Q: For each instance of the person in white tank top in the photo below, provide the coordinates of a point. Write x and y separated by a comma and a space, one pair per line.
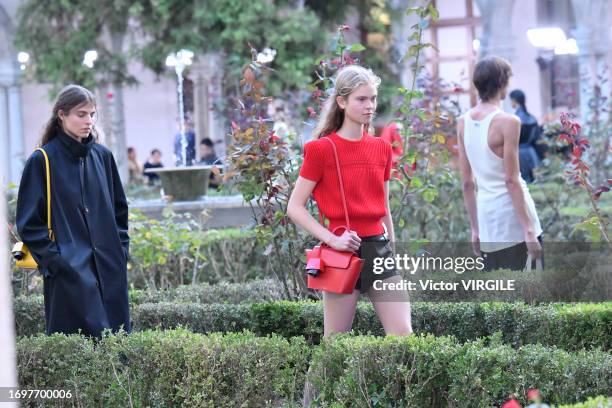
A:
505, 225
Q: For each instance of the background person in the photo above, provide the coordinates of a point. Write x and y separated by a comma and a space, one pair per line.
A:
178, 144
208, 157
154, 162
531, 152
135, 168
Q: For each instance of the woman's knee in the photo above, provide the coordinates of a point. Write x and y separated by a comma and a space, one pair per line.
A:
328, 331
400, 329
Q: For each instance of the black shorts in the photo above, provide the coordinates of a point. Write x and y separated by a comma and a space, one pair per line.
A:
513, 258
372, 247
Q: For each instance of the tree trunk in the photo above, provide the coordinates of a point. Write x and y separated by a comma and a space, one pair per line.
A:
117, 113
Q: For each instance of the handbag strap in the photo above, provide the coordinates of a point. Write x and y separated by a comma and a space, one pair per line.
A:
48, 180
346, 216
528, 264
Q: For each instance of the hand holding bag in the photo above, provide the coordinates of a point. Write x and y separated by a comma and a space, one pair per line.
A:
528, 264
20, 251
338, 271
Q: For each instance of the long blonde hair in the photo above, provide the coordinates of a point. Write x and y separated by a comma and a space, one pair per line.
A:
346, 81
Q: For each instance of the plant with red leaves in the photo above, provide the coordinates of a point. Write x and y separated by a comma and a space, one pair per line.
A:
342, 55
263, 170
578, 174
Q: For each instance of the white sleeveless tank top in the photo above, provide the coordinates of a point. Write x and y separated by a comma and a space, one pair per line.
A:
498, 224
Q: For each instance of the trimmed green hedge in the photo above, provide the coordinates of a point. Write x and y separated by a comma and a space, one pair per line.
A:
180, 368
567, 326
164, 369
435, 372
29, 310
570, 327
222, 292
598, 402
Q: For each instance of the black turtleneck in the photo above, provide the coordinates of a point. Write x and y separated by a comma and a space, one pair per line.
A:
73, 146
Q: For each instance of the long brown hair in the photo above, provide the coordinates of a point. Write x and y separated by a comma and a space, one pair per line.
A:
70, 97
347, 80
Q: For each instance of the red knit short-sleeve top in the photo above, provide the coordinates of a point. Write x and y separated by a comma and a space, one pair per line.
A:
365, 165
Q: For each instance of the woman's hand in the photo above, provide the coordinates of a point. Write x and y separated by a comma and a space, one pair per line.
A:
476, 243
534, 248
348, 241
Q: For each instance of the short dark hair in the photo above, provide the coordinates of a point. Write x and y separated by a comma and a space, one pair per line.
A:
130, 149
491, 74
155, 151
207, 142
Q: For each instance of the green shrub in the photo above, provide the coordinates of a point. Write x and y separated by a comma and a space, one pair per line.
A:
598, 402
163, 369
388, 371
570, 327
222, 292
199, 318
233, 255
567, 326
180, 368
425, 371
29, 311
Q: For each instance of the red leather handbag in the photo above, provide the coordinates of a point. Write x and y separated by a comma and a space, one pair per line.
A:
338, 271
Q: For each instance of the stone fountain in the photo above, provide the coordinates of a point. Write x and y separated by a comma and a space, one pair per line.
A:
186, 183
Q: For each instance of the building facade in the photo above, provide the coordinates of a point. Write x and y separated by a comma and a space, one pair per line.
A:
466, 31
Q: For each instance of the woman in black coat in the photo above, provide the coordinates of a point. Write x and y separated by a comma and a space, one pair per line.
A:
85, 266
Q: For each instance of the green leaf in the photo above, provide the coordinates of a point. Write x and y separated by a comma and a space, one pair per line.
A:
430, 194
591, 226
356, 48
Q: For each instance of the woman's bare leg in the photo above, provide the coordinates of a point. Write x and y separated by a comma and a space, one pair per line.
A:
392, 308
338, 312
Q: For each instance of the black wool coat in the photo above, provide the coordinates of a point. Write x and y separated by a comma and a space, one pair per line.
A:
85, 268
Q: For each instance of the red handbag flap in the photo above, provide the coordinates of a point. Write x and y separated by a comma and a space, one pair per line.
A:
335, 259
313, 263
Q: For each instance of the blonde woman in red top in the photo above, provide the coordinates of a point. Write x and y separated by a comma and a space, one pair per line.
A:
365, 163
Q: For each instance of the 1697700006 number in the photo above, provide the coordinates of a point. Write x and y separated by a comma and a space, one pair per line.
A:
12, 394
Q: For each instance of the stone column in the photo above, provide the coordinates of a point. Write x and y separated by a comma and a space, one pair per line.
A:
8, 367
8, 376
200, 103
400, 31
207, 73
17, 155
5, 157
497, 38
11, 133
592, 36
